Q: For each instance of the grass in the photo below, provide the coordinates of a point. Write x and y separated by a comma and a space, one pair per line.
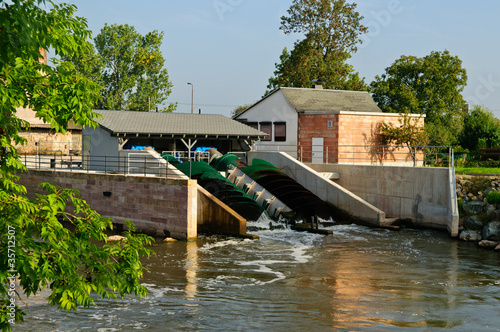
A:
478, 170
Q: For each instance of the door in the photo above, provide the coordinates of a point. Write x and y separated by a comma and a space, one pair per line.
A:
317, 150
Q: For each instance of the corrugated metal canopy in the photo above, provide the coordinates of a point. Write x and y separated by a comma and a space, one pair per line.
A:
174, 124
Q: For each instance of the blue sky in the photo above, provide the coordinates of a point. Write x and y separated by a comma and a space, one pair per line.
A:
228, 48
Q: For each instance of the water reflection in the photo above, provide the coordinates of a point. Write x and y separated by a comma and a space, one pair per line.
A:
357, 279
191, 267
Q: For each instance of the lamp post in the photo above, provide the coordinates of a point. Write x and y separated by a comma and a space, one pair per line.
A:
192, 96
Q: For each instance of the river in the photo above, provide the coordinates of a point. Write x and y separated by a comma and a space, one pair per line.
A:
357, 279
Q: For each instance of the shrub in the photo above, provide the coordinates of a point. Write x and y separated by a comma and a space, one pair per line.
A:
477, 184
493, 197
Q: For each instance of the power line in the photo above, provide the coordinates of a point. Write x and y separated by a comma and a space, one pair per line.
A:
208, 105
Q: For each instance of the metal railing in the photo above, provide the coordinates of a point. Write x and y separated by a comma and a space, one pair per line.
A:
184, 156
48, 148
366, 154
132, 164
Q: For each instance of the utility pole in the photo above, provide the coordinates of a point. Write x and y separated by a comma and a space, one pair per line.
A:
192, 96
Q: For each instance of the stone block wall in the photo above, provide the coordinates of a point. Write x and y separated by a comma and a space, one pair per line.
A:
46, 141
161, 206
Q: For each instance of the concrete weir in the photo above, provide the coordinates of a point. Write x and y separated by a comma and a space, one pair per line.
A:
179, 208
378, 195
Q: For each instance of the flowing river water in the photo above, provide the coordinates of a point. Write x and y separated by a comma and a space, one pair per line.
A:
358, 279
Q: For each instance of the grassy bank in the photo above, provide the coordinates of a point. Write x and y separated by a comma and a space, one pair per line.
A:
478, 170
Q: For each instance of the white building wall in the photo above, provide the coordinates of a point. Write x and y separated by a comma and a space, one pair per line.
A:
275, 108
98, 144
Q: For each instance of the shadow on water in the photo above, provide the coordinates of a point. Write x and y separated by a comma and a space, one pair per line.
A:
355, 279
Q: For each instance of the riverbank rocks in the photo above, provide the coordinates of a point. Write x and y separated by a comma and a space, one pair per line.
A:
488, 244
474, 206
473, 223
480, 219
470, 235
115, 238
492, 231
169, 239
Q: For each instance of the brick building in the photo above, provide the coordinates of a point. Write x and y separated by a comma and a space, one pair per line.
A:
318, 125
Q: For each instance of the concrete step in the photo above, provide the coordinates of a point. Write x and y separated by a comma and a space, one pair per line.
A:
388, 224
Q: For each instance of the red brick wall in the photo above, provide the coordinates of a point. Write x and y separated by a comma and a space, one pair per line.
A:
155, 205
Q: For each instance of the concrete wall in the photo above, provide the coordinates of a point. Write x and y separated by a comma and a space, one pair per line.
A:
423, 194
160, 205
216, 217
100, 143
349, 203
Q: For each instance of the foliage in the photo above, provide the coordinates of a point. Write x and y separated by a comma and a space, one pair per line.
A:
130, 67
477, 184
481, 130
409, 133
431, 85
332, 29
493, 197
34, 247
239, 109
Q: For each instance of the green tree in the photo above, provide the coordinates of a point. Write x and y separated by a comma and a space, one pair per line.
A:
409, 133
480, 124
431, 85
36, 251
239, 109
332, 29
130, 67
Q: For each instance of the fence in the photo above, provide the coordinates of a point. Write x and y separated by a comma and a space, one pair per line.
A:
132, 164
48, 148
366, 154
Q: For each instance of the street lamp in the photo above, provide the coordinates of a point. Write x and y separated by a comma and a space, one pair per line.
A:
192, 96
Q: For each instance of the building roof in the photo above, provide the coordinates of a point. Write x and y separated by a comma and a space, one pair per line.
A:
305, 100
123, 123
314, 100
29, 115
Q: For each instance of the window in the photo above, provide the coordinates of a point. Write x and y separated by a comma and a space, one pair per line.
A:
254, 125
267, 128
280, 131
330, 123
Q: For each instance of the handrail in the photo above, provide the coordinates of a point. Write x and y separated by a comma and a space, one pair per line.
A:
133, 163
364, 154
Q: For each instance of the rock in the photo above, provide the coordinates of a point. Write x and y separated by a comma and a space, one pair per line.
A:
487, 190
497, 248
488, 244
473, 207
115, 238
490, 209
473, 223
492, 231
495, 215
470, 235
169, 239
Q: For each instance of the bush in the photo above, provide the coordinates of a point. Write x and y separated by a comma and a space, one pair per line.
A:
493, 197
477, 184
